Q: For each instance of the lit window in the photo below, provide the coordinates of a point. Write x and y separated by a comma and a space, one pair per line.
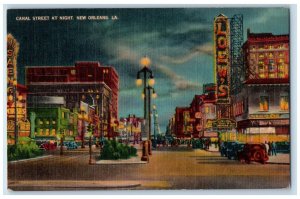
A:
271, 69
271, 55
206, 110
284, 103
264, 103
261, 70
73, 72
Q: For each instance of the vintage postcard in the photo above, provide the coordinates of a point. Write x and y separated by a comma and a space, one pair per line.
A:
148, 98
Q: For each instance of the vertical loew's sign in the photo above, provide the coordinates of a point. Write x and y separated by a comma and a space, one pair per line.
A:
222, 58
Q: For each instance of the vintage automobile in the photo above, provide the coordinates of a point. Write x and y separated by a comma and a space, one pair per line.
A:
234, 149
48, 145
70, 145
253, 152
283, 147
225, 146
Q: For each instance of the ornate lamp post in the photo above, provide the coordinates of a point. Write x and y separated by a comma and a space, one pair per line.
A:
155, 115
81, 116
146, 73
151, 93
90, 132
61, 138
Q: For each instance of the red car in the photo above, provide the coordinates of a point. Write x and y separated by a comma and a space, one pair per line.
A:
48, 146
253, 152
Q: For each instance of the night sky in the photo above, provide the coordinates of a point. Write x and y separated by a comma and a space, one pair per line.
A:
178, 42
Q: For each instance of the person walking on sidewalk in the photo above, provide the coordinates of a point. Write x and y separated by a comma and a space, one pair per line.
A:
274, 150
267, 147
270, 148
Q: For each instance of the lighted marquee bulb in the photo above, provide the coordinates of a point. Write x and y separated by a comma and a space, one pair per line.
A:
10, 98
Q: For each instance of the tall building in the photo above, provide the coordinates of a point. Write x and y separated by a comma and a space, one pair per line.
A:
203, 112
82, 82
266, 56
183, 126
261, 109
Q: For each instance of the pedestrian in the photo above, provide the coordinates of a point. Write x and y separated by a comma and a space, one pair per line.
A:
274, 150
267, 147
270, 148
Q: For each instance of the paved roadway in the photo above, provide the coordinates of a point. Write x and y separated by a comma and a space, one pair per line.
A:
180, 168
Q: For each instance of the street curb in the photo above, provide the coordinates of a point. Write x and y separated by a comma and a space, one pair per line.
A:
281, 163
74, 187
30, 159
117, 163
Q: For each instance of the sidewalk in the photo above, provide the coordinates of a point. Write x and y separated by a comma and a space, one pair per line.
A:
213, 149
280, 158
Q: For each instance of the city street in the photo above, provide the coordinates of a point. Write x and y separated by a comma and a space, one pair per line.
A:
179, 168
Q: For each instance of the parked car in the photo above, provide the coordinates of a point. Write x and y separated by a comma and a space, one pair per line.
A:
234, 149
253, 152
70, 145
197, 144
225, 146
283, 147
48, 146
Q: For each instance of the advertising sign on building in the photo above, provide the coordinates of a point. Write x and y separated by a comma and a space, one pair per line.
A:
222, 58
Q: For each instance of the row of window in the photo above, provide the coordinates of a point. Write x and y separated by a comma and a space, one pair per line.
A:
264, 103
271, 70
262, 47
51, 132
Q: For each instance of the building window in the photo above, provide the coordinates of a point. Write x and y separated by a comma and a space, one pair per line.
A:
284, 103
264, 103
63, 115
271, 55
272, 69
261, 69
281, 70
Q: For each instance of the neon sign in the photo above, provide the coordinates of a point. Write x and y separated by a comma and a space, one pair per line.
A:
222, 58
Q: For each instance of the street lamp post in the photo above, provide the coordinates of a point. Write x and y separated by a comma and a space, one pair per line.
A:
82, 117
155, 115
151, 93
90, 132
147, 75
61, 141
